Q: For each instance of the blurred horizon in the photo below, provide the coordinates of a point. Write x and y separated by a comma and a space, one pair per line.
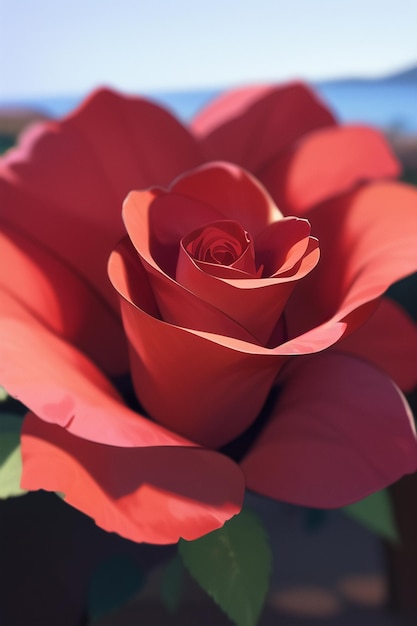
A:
50, 49
162, 93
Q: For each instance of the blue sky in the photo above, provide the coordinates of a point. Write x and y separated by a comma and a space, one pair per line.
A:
66, 47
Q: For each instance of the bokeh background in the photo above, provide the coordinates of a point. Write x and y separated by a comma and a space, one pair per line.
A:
361, 55
67, 47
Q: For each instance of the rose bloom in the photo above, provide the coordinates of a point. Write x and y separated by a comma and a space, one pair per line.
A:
227, 329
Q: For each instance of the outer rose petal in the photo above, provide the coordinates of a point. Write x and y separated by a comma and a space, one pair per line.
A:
389, 341
135, 467
156, 494
65, 183
339, 431
326, 163
250, 126
60, 300
368, 241
63, 387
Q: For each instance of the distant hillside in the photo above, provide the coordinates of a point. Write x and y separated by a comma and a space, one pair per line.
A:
408, 76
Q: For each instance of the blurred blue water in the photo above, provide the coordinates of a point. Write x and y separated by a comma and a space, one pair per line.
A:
390, 106
387, 105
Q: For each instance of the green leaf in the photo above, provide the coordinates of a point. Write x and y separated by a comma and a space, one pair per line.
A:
233, 564
375, 513
10, 456
113, 583
172, 584
3, 394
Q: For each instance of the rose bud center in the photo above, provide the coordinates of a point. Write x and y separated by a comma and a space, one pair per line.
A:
223, 243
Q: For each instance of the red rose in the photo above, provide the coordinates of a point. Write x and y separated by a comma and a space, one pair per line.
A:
226, 309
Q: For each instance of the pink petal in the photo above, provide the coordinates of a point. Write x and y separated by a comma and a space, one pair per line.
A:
389, 341
155, 494
61, 300
339, 431
250, 126
326, 163
368, 241
64, 185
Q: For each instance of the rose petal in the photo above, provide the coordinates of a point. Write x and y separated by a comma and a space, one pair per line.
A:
61, 300
368, 241
156, 494
255, 303
194, 383
60, 385
340, 430
228, 189
177, 304
130, 280
282, 244
157, 221
326, 163
230, 272
234, 193
64, 185
389, 341
250, 126
64, 388
225, 244
213, 192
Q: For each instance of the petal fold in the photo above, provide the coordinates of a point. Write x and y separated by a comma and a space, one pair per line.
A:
339, 431
252, 125
61, 300
389, 341
155, 495
325, 164
65, 182
368, 241
60, 385
194, 383
233, 192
